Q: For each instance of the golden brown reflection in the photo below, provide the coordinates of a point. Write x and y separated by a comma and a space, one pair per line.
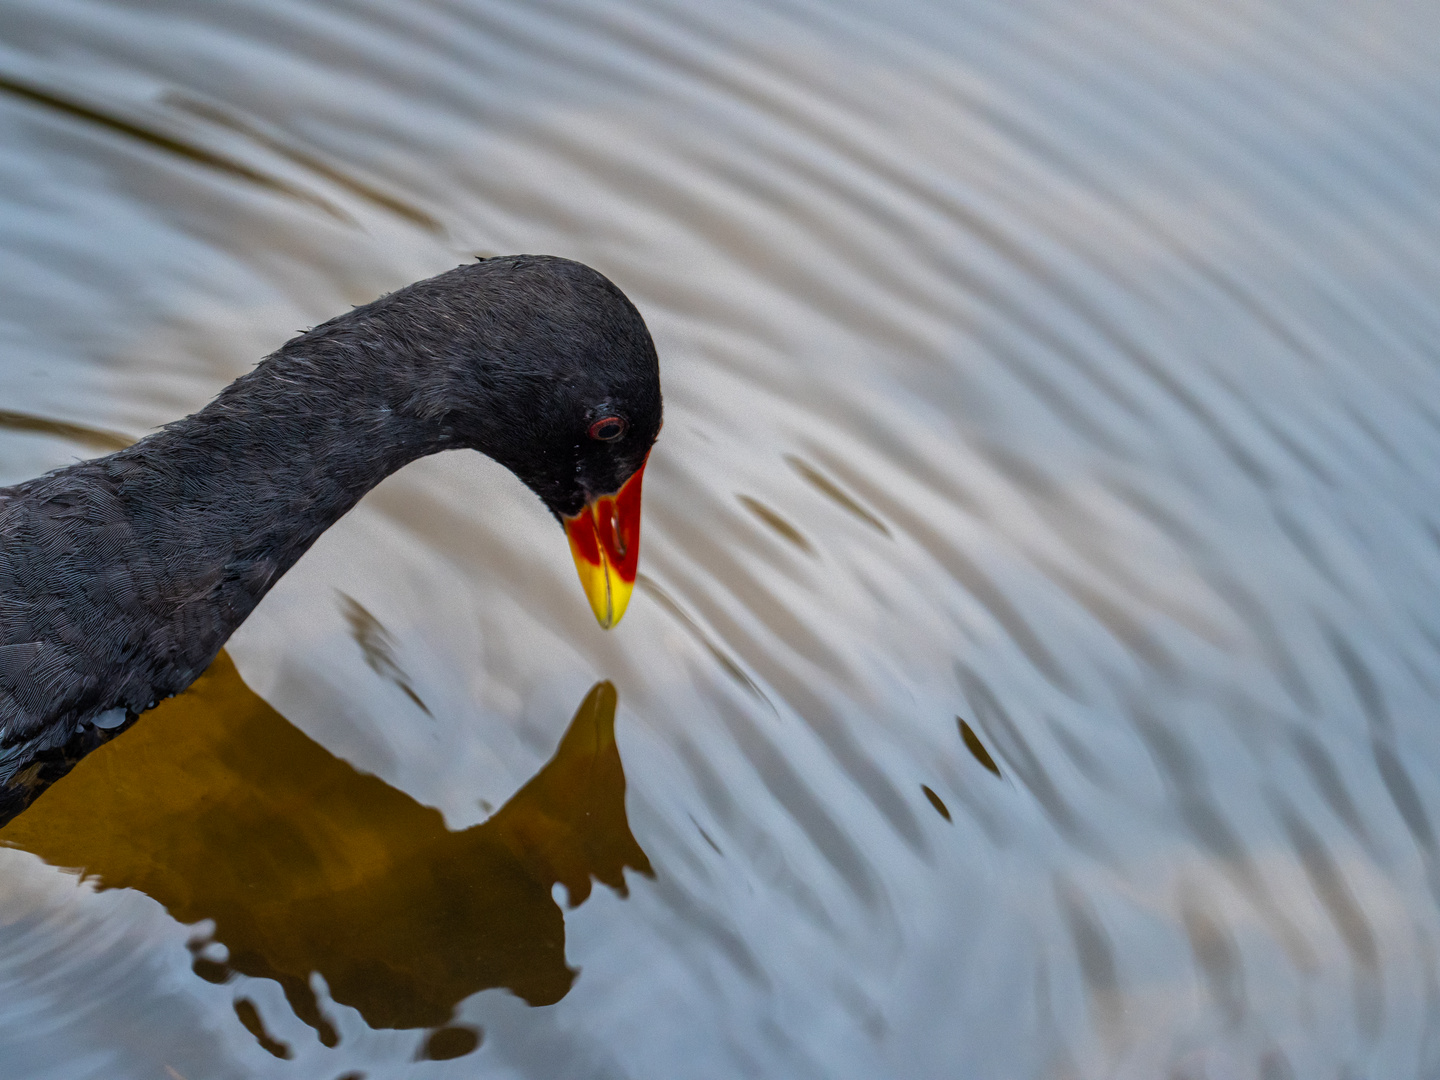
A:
219, 808
976, 747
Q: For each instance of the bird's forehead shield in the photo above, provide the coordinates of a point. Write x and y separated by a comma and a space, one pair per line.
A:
605, 541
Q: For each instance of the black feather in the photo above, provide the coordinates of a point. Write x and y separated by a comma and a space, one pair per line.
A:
122, 577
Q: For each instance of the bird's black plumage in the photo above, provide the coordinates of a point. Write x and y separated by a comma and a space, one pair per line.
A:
122, 577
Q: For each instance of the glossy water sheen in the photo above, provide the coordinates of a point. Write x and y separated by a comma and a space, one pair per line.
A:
1033, 664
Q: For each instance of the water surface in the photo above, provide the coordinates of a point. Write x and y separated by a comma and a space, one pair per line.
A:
1033, 669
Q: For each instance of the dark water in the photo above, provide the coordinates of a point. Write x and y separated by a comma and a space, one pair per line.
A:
1035, 664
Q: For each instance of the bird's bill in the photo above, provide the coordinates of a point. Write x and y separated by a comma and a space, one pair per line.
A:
605, 540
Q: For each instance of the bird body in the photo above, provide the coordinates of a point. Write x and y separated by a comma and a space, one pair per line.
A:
122, 577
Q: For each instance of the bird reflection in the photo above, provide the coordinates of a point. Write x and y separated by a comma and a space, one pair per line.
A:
220, 809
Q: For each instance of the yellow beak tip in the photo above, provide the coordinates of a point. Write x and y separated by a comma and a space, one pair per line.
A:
609, 600
607, 591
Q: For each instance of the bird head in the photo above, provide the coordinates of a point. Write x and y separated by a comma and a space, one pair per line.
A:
550, 370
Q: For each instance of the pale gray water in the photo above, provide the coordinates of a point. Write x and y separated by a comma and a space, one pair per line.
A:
1065, 367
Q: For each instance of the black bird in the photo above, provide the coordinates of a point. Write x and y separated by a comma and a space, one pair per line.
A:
122, 577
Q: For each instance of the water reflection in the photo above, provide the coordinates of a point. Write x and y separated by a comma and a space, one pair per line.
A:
1066, 368
88, 437
150, 132
220, 809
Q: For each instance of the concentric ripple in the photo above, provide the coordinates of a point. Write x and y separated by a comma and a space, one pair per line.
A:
1033, 664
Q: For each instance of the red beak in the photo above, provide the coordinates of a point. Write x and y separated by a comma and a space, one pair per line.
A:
605, 540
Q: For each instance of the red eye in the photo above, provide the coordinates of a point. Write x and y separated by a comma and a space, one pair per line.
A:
607, 428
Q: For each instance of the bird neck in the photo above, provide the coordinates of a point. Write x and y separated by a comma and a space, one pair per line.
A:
233, 495
144, 562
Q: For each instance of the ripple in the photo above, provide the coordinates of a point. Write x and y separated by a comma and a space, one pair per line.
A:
1051, 398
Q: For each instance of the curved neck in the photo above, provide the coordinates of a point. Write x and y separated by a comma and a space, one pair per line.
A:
139, 566
227, 499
